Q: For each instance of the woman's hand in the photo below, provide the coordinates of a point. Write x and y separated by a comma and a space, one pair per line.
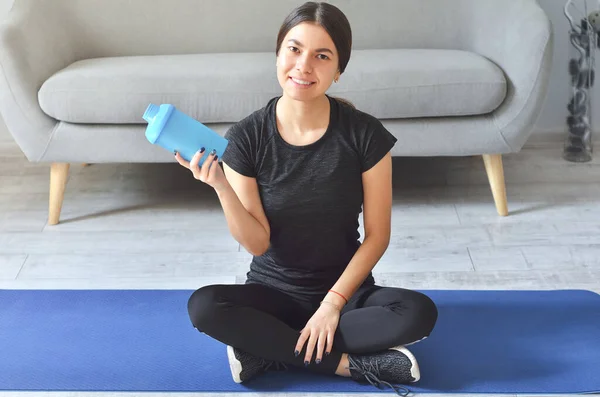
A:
210, 173
319, 332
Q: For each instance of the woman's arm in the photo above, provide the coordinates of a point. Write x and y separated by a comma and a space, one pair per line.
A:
377, 212
244, 212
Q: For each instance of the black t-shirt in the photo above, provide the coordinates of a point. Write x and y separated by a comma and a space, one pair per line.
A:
312, 195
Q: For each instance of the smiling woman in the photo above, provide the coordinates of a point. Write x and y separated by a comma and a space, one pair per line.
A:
313, 48
336, 52
297, 174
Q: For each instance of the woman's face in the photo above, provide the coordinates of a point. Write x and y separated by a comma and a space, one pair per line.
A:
307, 62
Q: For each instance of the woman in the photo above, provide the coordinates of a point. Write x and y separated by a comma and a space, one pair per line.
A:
294, 178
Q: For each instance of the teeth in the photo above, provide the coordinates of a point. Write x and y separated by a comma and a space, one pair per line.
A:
301, 81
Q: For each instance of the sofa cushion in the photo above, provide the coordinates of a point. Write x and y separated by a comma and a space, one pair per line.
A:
392, 83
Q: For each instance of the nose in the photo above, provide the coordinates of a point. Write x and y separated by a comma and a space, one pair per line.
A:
303, 64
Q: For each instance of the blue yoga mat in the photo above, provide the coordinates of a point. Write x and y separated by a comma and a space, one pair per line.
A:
142, 340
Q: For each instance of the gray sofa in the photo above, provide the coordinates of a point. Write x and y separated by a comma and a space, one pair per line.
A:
446, 77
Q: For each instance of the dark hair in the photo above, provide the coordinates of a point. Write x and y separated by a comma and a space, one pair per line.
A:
331, 18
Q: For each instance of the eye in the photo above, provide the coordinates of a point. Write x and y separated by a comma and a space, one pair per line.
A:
323, 56
293, 49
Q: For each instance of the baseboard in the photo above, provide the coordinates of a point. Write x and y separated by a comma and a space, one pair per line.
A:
553, 137
547, 135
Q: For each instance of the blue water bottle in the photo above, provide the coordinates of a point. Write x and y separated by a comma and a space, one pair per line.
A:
176, 131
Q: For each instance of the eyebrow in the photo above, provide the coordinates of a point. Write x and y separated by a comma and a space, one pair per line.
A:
317, 50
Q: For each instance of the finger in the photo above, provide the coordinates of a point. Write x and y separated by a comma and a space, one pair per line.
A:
330, 336
321, 346
310, 346
181, 160
215, 167
195, 160
207, 163
301, 341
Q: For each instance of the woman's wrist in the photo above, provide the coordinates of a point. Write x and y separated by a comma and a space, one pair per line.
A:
225, 189
331, 304
335, 299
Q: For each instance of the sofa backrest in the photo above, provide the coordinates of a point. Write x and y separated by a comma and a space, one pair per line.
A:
149, 27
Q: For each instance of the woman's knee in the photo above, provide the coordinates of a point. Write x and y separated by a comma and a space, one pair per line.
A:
202, 306
418, 314
427, 313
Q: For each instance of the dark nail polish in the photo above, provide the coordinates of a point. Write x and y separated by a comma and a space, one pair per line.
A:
296, 353
318, 361
202, 150
214, 151
175, 152
306, 363
216, 158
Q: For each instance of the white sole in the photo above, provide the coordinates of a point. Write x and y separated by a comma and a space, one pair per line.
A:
235, 365
414, 370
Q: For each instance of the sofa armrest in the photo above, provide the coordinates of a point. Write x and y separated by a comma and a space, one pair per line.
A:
34, 44
517, 35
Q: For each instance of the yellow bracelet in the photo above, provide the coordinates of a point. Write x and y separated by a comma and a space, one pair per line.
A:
332, 304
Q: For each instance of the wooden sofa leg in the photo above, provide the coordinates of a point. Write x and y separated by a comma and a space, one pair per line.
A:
495, 174
59, 173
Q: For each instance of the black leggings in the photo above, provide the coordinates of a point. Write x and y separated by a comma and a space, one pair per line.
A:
266, 322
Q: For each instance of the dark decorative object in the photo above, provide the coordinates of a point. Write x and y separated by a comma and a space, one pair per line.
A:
584, 39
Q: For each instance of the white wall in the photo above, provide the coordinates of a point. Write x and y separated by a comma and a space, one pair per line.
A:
552, 119
4, 7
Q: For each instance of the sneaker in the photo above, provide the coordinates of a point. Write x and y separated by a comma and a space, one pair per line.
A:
394, 366
244, 366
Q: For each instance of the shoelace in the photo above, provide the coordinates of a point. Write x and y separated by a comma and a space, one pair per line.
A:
371, 373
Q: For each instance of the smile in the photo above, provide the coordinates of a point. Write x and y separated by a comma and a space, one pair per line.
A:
301, 82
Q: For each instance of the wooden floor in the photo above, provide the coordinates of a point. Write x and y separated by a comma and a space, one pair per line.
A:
154, 226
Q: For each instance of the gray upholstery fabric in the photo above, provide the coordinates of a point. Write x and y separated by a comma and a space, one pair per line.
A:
95, 143
40, 38
216, 88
